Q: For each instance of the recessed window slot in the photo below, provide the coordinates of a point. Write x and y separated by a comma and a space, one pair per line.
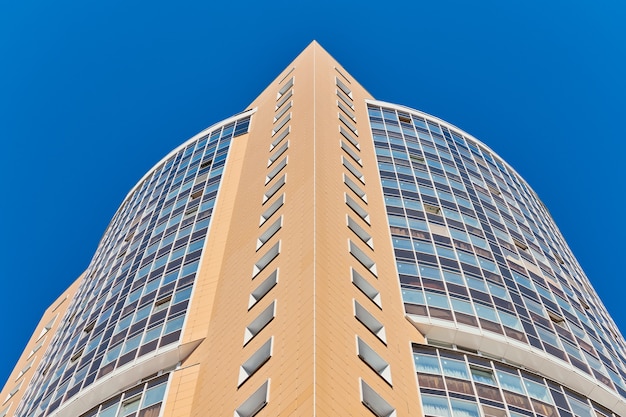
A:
375, 403
255, 362
260, 322
266, 259
264, 288
255, 402
363, 258
366, 288
360, 232
271, 231
273, 208
353, 170
373, 360
352, 154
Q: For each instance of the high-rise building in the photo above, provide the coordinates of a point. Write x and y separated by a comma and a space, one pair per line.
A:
326, 254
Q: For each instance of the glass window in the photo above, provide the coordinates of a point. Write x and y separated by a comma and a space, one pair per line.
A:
476, 284
547, 336
510, 320
174, 324
423, 247
462, 306
538, 391
452, 276
428, 272
131, 344
455, 369
400, 243
437, 300
109, 412
152, 334
406, 268
435, 406
129, 407
413, 296
464, 408
511, 382
426, 364
482, 375
154, 395
486, 313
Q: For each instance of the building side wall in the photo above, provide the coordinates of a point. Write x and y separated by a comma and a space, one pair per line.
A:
289, 369
338, 365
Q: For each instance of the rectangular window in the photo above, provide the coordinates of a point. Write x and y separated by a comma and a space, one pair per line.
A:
284, 99
347, 111
348, 123
482, 375
347, 101
285, 88
355, 188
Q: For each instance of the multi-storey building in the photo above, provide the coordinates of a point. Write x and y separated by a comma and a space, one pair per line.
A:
323, 253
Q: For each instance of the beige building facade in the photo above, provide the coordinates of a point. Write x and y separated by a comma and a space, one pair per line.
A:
319, 254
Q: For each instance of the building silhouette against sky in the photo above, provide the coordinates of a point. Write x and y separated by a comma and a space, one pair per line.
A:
326, 254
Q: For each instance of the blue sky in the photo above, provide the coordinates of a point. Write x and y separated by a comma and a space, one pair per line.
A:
93, 94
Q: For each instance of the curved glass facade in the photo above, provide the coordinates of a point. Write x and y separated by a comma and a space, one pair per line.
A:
477, 252
134, 298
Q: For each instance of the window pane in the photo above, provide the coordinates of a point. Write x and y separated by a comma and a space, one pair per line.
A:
482, 375
154, 395
510, 382
427, 364
435, 406
464, 408
538, 391
455, 369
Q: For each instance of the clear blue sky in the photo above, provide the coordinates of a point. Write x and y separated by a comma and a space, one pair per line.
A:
93, 94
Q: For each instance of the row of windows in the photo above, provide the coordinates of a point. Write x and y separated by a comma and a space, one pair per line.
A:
452, 383
143, 400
